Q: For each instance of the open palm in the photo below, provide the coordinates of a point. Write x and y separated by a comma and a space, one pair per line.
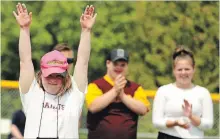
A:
88, 18
23, 18
187, 108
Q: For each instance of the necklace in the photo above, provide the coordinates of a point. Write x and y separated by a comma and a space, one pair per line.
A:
42, 115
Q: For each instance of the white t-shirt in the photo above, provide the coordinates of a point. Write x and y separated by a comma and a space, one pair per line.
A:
69, 111
168, 106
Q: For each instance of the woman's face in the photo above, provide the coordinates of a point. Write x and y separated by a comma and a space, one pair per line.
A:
52, 83
183, 71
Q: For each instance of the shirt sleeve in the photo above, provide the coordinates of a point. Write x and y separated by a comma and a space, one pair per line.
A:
15, 118
26, 98
142, 96
92, 93
207, 111
159, 121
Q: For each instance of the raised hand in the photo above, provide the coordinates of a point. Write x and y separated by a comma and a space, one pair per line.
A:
23, 18
187, 108
88, 17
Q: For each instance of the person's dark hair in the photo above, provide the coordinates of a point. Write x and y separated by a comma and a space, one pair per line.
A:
62, 47
181, 53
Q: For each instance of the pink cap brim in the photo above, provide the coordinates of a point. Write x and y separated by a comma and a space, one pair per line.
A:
47, 71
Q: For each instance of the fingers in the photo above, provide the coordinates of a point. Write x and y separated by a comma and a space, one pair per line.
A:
119, 78
24, 8
30, 14
89, 10
186, 126
81, 18
15, 14
18, 11
86, 10
122, 84
20, 8
186, 103
95, 16
120, 81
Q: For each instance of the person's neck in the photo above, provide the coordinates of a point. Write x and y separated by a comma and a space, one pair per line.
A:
53, 94
184, 86
109, 75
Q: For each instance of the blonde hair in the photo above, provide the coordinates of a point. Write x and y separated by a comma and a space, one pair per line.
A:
67, 83
182, 53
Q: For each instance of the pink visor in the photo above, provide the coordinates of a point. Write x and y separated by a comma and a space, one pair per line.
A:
53, 62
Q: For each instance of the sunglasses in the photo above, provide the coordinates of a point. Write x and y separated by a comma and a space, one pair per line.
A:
70, 60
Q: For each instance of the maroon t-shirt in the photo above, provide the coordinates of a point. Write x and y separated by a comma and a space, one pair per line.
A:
116, 121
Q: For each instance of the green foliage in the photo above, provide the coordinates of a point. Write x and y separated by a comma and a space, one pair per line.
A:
148, 30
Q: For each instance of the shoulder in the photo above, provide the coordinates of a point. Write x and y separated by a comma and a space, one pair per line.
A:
201, 90
165, 90
98, 81
133, 86
166, 87
198, 87
133, 83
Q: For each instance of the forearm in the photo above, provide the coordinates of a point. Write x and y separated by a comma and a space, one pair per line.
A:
81, 68
84, 46
134, 105
26, 65
195, 120
25, 45
15, 132
103, 101
171, 123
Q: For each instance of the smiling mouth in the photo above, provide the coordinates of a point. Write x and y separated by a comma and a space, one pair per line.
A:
118, 72
52, 84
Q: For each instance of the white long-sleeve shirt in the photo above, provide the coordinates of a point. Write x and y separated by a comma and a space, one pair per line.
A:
168, 106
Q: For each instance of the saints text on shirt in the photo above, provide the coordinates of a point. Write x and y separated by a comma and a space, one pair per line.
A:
51, 106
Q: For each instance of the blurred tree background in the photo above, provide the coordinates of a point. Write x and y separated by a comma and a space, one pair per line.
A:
149, 31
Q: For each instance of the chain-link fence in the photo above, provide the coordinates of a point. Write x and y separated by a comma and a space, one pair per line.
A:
10, 102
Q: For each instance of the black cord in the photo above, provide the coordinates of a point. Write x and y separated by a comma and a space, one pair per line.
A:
41, 118
57, 117
41, 115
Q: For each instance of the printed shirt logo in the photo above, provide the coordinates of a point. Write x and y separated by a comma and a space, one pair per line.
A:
51, 106
55, 62
120, 52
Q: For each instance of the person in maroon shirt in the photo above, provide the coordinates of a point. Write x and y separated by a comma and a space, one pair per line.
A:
114, 102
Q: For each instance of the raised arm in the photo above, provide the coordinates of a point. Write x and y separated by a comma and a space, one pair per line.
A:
26, 66
81, 69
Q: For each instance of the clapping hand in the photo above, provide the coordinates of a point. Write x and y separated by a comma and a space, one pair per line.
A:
187, 109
